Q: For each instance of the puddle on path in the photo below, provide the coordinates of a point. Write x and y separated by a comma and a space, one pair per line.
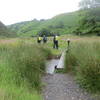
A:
50, 65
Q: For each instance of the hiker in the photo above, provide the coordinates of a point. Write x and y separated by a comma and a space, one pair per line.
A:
44, 39
55, 41
68, 41
39, 39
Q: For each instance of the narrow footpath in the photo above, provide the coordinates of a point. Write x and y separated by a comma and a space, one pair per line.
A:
62, 86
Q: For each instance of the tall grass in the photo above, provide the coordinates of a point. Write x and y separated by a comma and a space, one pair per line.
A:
14, 93
83, 60
21, 68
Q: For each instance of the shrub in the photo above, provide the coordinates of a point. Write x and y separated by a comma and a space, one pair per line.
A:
88, 74
84, 60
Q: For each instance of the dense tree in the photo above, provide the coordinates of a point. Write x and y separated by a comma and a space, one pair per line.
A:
45, 32
90, 18
89, 21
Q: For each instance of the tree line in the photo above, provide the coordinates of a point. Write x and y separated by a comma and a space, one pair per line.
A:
89, 22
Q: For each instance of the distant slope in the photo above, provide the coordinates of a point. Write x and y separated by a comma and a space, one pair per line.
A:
90, 22
4, 31
63, 23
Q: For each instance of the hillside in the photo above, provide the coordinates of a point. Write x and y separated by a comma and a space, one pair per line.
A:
82, 22
4, 31
89, 22
63, 24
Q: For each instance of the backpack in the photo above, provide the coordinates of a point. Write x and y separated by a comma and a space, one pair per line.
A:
56, 38
44, 38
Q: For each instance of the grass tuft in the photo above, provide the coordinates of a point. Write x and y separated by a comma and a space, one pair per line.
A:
84, 60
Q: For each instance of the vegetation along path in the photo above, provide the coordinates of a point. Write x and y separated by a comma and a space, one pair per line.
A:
62, 87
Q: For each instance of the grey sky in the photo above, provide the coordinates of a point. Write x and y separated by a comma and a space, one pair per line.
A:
12, 11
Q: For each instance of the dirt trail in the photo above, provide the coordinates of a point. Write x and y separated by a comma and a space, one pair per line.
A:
62, 87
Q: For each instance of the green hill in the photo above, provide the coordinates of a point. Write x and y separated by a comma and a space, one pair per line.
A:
89, 22
62, 24
81, 22
4, 31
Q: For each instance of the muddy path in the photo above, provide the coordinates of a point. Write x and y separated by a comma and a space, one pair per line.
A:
62, 86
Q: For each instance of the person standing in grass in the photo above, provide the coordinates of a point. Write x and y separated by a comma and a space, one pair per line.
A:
68, 41
39, 39
44, 39
55, 41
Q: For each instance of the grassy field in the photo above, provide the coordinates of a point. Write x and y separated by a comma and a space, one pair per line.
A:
22, 64
83, 60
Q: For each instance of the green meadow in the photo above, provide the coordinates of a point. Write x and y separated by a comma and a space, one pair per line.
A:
83, 60
22, 64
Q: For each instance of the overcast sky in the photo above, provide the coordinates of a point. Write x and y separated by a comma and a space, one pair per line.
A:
12, 11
